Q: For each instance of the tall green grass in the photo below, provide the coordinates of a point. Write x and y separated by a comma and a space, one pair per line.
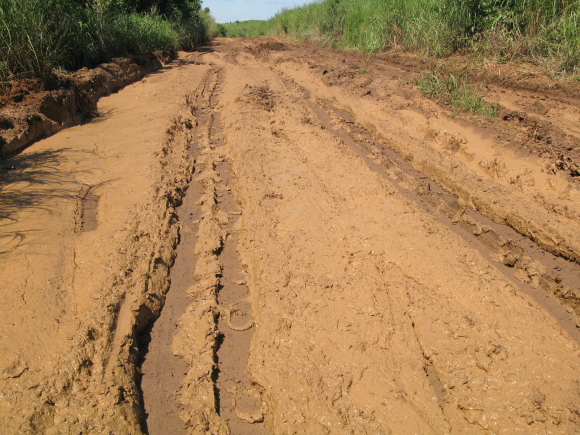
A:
374, 25
502, 28
39, 37
246, 29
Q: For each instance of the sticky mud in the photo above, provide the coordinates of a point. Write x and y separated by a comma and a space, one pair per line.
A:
295, 219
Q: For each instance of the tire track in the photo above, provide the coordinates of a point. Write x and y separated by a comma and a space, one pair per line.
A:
214, 333
161, 372
551, 280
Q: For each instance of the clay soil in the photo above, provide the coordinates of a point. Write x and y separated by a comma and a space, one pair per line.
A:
270, 237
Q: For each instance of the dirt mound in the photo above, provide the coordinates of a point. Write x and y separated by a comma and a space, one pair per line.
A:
271, 45
30, 112
531, 135
260, 96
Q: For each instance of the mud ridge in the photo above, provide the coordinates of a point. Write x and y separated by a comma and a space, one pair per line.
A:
216, 395
536, 271
533, 268
239, 398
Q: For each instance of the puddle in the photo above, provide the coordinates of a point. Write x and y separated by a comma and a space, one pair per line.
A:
90, 206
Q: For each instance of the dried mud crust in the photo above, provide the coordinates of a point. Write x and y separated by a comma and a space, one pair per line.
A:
31, 112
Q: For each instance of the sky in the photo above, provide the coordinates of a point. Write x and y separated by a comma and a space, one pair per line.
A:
226, 11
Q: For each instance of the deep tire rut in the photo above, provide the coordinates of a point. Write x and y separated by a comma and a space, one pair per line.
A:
217, 394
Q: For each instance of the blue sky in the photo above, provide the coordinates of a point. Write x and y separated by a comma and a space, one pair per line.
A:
225, 11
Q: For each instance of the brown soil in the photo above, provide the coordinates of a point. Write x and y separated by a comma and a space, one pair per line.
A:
269, 237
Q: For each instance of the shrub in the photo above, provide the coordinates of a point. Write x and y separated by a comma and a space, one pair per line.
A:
37, 37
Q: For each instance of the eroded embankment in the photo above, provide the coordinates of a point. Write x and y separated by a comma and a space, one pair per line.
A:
30, 114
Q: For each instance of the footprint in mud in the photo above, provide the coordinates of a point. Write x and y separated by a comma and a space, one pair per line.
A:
239, 316
247, 404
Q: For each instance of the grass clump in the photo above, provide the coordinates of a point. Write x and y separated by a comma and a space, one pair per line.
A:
449, 89
39, 37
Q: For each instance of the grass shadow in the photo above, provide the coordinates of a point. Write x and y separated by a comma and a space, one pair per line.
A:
28, 180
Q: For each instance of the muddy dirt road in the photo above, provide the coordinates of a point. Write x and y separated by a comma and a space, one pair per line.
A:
268, 237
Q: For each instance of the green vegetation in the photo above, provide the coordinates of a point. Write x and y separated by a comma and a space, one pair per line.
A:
506, 29
456, 92
38, 38
249, 28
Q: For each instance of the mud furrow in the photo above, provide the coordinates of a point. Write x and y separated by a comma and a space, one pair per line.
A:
196, 335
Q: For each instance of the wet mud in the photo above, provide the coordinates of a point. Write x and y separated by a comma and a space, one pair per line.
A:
303, 244
238, 402
161, 372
